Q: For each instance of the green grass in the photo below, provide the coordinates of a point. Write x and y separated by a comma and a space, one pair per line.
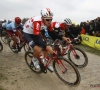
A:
89, 49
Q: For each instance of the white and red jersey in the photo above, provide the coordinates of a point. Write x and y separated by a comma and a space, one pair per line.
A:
34, 25
57, 25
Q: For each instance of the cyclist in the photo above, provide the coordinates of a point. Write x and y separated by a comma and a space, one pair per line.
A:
57, 29
4, 24
12, 30
32, 34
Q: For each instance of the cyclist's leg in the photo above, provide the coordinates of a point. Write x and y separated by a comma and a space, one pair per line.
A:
31, 40
18, 33
39, 41
15, 41
42, 44
12, 34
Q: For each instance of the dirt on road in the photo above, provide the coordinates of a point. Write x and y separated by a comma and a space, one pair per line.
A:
15, 74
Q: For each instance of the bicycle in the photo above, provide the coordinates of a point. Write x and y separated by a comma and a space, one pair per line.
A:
1, 46
76, 55
63, 68
19, 45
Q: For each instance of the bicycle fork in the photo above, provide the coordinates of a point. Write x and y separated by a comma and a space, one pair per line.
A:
74, 52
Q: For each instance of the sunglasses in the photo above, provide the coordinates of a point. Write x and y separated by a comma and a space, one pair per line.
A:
48, 20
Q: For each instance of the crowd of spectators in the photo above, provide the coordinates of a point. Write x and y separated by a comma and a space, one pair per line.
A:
91, 27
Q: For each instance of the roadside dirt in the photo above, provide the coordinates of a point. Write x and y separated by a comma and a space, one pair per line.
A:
15, 74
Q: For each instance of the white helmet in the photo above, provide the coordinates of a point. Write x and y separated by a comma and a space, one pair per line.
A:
46, 13
68, 21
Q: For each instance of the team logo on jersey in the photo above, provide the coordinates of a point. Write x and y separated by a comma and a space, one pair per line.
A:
57, 25
37, 26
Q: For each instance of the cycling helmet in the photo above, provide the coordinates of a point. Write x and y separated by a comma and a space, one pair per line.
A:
46, 13
4, 20
17, 20
68, 21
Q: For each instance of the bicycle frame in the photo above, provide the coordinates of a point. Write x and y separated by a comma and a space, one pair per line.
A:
70, 47
59, 62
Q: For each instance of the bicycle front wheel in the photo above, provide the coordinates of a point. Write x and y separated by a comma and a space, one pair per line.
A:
66, 71
1, 47
78, 57
4, 36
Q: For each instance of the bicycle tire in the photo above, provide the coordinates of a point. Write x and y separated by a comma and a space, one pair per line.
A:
1, 47
74, 61
26, 49
77, 74
3, 36
28, 63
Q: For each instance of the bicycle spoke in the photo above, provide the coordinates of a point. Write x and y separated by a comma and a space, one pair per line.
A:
67, 72
78, 57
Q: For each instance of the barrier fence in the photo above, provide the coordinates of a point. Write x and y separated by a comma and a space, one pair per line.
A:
91, 41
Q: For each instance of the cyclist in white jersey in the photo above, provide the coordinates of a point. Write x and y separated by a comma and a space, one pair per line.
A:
32, 34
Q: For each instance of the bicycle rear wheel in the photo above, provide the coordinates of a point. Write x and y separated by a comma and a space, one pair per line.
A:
66, 71
1, 47
78, 57
28, 59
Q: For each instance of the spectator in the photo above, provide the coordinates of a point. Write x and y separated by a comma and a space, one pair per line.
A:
92, 26
87, 27
83, 31
77, 30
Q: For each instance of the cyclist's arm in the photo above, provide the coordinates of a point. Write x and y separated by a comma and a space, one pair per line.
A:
54, 35
70, 35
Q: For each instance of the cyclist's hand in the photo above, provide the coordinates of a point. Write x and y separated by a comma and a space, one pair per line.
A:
66, 39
